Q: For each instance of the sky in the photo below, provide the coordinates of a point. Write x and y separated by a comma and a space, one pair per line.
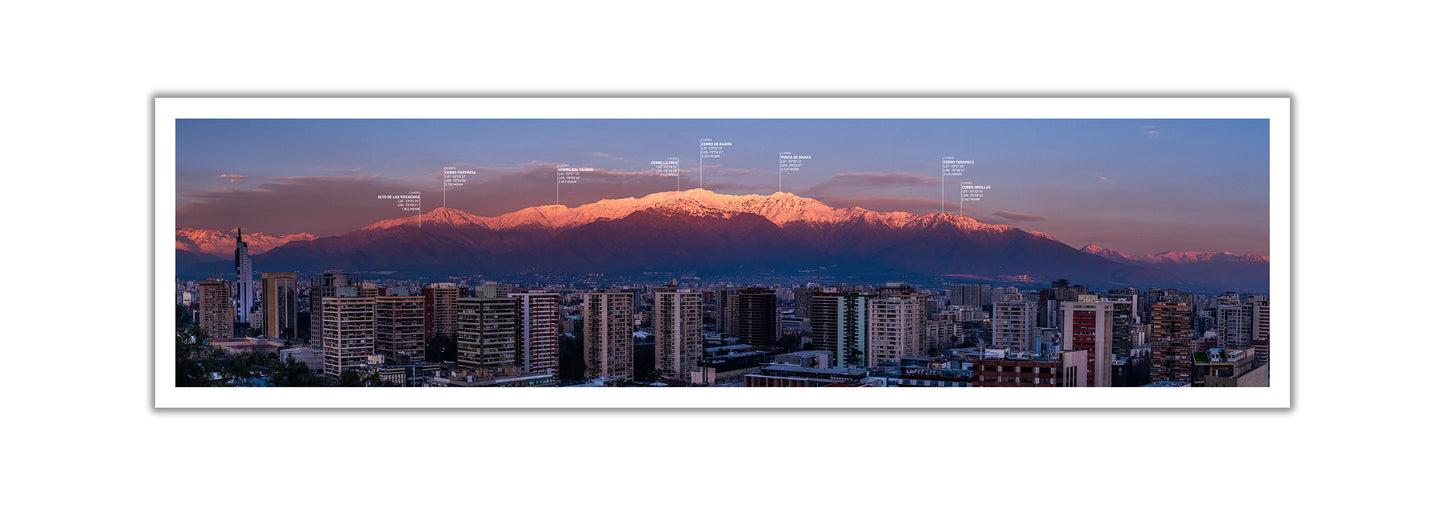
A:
1139, 186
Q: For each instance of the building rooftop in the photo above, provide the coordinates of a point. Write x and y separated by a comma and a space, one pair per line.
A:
922, 372
792, 369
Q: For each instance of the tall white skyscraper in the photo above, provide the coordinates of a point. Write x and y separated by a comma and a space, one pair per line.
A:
245, 293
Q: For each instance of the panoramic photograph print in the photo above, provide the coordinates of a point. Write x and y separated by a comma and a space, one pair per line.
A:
719, 252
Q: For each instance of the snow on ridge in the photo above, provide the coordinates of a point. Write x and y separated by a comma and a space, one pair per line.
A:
780, 208
1178, 257
223, 242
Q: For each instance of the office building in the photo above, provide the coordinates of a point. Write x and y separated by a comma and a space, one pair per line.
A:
490, 289
727, 314
1234, 323
278, 305
1088, 327
245, 291
757, 317
728, 367
974, 295
1124, 321
1003, 368
794, 376
803, 302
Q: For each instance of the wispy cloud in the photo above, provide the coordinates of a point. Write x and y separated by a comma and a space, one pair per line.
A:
608, 156
1150, 131
233, 177
890, 204
341, 171
1013, 216
848, 182
330, 205
736, 172
1105, 179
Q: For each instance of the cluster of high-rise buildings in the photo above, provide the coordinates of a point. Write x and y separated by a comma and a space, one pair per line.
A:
494, 334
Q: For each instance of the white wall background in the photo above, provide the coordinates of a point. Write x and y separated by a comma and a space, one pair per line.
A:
76, 106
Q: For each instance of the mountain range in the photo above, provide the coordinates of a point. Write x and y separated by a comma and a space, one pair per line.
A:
1249, 272
218, 243
699, 232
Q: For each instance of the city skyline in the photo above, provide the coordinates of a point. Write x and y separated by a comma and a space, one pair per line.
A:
702, 252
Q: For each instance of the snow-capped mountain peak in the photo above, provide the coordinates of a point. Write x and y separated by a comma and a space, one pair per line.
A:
1173, 257
780, 208
208, 241
445, 216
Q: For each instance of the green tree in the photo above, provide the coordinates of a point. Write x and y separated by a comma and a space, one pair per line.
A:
353, 378
291, 373
195, 361
241, 367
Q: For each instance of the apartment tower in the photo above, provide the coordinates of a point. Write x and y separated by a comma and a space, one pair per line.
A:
1015, 325
1170, 341
897, 323
399, 323
348, 333
537, 349
677, 318
217, 315
488, 329
607, 334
